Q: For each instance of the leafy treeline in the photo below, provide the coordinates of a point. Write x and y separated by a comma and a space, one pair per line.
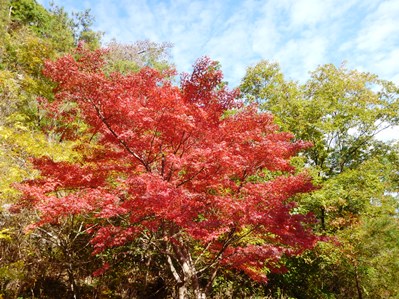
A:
115, 182
341, 112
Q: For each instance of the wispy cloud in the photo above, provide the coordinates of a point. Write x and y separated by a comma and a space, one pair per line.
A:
299, 34
377, 41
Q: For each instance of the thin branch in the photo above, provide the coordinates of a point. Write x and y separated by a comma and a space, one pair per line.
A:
191, 178
56, 239
122, 142
78, 233
163, 162
231, 239
180, 143
202, 253
355, 148
154, 135
228, 241
211, 279
170, 172
172, 267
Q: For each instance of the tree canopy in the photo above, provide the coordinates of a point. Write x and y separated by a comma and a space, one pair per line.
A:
204, 188
341, 112
119, 179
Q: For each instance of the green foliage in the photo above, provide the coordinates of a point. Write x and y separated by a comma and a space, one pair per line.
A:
81, 26
31, 265
54, 24
377, 257
29, 13
265, 85
31, 36
4, 234
340, 111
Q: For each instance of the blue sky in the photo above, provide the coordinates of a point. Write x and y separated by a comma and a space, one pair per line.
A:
298, 34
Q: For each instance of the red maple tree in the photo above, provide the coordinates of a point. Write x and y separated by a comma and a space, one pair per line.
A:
206, 180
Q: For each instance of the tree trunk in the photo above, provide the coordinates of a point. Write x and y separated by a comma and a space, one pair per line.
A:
187, 277
72, 284
323, 218
183, 294
358, 288
200, 295
190, 282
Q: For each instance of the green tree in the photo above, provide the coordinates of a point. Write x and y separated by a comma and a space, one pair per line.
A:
341, 112
30, 35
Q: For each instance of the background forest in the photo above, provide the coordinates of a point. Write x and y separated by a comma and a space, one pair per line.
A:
351, 212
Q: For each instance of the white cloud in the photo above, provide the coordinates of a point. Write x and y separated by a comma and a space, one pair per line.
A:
300, 34
389, 134
387, 64
309, 12
376, 44
265, 37
380, 28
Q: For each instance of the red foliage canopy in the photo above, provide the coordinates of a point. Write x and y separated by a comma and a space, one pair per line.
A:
187, 164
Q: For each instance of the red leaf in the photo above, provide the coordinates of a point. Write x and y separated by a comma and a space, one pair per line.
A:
170, 162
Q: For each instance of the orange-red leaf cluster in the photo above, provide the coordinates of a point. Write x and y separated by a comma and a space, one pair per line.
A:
171, 159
